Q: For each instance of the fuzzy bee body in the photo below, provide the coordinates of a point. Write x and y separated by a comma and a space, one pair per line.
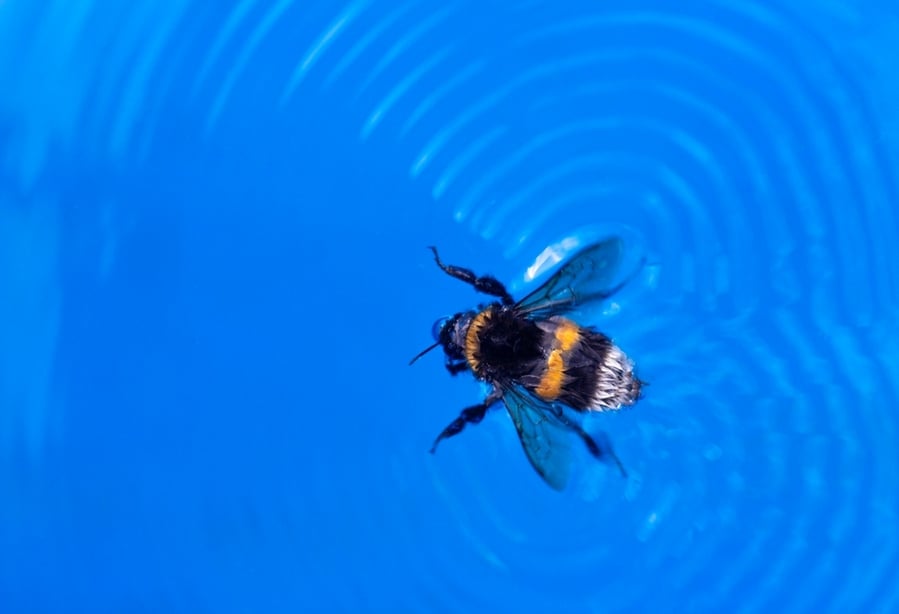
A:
540, 362
555, 359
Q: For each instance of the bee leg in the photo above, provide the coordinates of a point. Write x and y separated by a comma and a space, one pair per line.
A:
486, 283
469, 415
455, 368
601, 450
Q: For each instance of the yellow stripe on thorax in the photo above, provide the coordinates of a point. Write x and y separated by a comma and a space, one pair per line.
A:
473, 338
567, 336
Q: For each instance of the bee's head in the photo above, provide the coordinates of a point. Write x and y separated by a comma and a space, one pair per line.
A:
450, 334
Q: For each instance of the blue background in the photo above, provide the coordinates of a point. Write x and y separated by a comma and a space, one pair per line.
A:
212, 276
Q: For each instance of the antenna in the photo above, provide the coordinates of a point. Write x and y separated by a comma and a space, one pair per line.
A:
423, 352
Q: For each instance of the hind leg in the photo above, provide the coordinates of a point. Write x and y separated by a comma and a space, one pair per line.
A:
601, 450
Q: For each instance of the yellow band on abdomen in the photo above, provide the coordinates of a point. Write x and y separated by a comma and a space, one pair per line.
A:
550, 385
567, 334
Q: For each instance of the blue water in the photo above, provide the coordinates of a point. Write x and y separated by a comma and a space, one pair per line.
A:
213, 221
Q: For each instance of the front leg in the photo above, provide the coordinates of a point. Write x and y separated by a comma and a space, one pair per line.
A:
455, 368
473, 415
485, 283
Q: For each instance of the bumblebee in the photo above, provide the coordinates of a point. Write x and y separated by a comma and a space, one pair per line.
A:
545, 368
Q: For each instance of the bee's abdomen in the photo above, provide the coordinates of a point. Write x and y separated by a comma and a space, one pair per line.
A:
584, 369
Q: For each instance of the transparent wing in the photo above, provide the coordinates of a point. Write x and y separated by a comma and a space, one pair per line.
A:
588, 276
545, 439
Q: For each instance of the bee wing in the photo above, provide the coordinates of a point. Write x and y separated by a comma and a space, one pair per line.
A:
545, 439
588, 276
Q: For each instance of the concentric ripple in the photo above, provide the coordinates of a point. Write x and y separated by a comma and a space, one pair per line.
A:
745, 154
734, 142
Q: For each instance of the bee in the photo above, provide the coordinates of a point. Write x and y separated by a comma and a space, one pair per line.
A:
546, 369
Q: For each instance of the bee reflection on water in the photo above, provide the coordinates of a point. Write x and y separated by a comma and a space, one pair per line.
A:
544, 367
